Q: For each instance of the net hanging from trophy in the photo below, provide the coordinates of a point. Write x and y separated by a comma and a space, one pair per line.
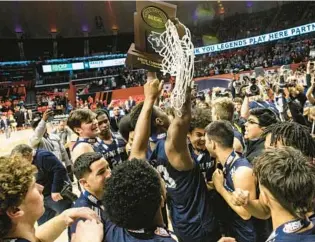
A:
174, 45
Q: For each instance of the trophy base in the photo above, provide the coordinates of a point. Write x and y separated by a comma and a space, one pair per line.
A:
142, 60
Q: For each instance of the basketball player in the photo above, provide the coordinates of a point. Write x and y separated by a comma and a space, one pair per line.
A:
278, 135
287, 185
200, 119
137, 186
191, 212
83, 122
237, 173
223, 109
112, 146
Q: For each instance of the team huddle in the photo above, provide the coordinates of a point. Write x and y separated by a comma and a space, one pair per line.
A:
187, 178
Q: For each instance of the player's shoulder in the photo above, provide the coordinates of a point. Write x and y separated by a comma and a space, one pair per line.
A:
80, 149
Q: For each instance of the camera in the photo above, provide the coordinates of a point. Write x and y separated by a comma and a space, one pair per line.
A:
222, 94
67, 193
253, 87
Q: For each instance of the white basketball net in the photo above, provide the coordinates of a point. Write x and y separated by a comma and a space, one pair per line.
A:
178, 60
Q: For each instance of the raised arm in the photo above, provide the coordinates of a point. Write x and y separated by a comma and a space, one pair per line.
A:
245, 108
40, 130
152, 90
176, 147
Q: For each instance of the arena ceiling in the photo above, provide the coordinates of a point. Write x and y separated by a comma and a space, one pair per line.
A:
70, 19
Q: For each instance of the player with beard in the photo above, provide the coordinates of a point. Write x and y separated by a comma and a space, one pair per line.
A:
114, 150
287, 185
83, 122
237, 173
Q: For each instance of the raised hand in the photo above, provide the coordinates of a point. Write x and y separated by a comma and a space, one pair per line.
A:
153, 87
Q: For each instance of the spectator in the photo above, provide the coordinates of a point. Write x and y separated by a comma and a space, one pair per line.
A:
258, 119
41, 139
114, 121
5, 126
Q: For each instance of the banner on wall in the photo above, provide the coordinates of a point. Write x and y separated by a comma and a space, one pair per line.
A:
282, 34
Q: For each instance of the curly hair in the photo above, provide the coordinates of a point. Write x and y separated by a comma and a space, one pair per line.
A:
200, 118
133, 195
289, 177
16, 176
292, 134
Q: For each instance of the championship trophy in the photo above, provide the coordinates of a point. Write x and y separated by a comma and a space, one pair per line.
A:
149, 23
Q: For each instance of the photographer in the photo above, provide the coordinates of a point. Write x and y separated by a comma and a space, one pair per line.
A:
52, 175
50, 142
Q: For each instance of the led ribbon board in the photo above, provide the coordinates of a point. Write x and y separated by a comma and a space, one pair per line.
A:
83, 65
63, 67
282, 34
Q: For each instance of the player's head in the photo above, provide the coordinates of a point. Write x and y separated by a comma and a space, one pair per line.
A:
219, 136
223, 109
290, 134
134, 195
199, 121
24, 151
91, 170
286, 179
21, 199
159, 119
258, 120
83, 122
103, 121
125, 127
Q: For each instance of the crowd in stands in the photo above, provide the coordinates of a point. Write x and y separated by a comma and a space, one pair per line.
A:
283, 52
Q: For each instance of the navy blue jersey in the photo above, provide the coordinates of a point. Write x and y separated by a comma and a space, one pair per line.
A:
154, 138
280, 235
89, 201
190, 208
205, 161
115, 153
236, 227
114, 233
80, 140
